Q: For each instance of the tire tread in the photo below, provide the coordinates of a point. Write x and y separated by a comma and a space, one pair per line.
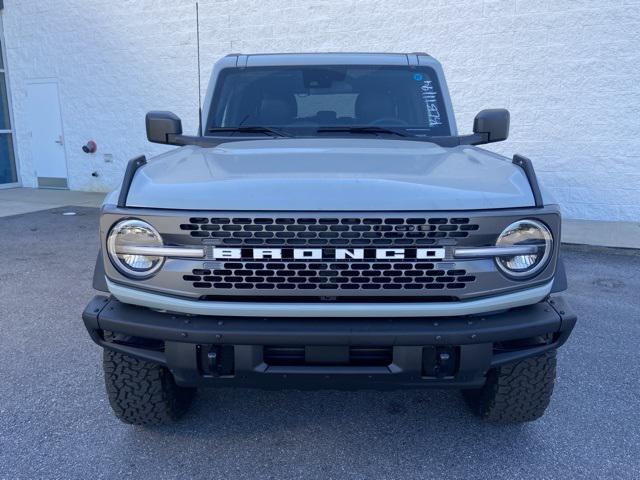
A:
141, 392
516, 393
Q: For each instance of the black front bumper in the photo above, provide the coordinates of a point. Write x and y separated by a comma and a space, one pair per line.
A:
423, 352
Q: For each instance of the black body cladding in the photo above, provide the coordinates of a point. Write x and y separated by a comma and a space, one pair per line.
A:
132, 167
526, 164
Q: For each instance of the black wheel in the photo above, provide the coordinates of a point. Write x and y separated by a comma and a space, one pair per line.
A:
515, 393
141, 392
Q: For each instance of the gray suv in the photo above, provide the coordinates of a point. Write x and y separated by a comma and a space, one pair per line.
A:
329, 228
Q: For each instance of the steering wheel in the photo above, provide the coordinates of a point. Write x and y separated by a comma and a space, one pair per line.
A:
388, 122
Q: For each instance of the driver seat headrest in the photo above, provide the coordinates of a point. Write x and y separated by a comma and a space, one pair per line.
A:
277, 108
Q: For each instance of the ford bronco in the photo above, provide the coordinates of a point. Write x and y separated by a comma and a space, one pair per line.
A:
329, 228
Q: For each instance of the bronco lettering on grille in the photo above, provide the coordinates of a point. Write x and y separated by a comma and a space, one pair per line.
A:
329, 253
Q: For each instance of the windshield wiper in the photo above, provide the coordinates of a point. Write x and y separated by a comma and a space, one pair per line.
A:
365, 129
250, 129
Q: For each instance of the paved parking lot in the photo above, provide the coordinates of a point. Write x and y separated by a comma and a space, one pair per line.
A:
55, 421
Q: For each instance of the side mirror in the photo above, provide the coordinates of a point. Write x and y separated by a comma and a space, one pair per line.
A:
162, 124
492, 124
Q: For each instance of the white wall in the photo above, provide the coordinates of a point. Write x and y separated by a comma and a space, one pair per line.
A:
567, 70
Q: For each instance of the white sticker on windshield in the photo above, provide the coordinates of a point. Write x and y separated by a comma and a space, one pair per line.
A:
430, 99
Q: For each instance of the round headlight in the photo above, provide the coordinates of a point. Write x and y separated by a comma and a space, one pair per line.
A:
525, 232
134, 233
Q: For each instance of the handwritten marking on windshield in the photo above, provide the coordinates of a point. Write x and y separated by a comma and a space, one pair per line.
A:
430, 99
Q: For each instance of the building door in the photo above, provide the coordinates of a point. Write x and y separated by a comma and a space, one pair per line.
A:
47, 141
8, 172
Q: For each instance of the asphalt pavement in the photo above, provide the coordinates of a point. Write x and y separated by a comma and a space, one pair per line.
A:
55, 420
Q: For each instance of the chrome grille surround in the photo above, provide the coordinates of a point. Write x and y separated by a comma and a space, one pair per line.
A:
247, 277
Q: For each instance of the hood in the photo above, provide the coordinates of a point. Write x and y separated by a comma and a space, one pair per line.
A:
330, 174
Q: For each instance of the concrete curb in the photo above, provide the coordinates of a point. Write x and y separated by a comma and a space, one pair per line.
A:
601, 233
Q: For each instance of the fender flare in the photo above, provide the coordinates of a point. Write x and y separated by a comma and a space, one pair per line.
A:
99, 281
560, 277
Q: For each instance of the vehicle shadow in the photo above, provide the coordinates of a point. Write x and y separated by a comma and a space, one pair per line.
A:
338, 434
420, 416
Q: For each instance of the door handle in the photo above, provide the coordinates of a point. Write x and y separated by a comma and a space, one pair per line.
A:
60, 141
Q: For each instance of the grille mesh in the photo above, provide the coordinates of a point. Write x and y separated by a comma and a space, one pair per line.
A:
374, 231
293, 275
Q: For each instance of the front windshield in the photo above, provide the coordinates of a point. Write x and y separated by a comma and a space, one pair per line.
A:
312, 100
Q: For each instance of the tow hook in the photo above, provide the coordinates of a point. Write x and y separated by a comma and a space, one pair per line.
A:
438, 362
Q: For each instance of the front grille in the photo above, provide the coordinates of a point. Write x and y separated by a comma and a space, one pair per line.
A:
296, 231
329, 275
423, 269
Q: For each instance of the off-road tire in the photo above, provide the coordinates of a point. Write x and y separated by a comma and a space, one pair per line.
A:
515, 393
141, 392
